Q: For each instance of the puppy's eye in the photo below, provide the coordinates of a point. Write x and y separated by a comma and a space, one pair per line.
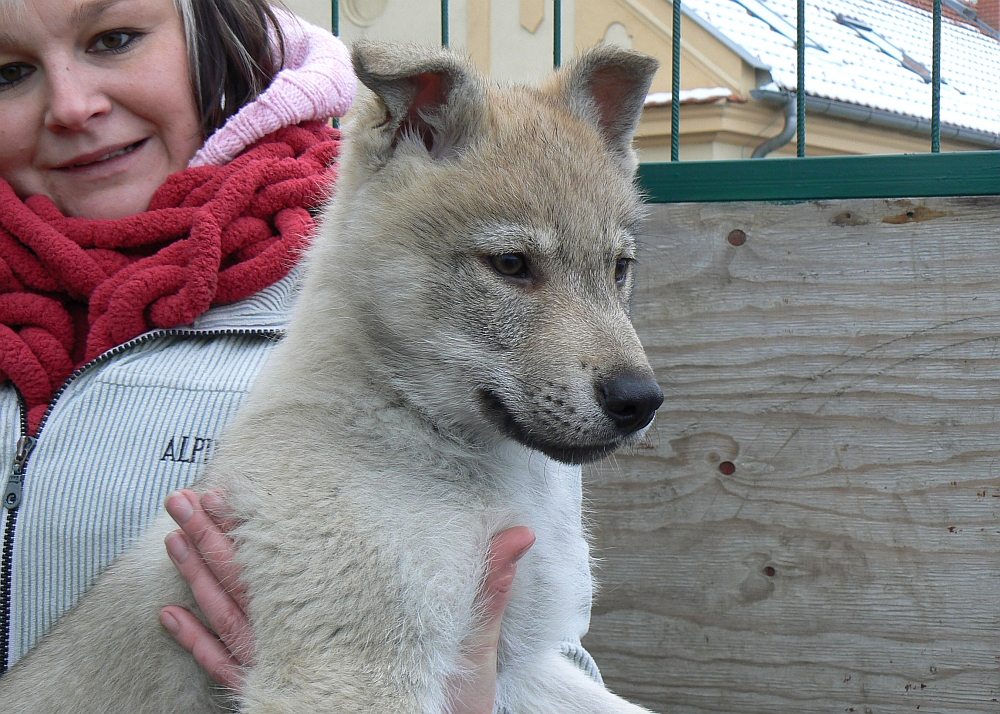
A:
513, 265
621, 270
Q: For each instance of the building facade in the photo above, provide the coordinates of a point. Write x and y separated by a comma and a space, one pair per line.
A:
867, 77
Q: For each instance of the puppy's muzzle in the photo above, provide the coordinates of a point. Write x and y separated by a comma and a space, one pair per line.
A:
630, 400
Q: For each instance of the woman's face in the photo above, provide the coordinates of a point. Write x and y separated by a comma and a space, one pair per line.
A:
96, 105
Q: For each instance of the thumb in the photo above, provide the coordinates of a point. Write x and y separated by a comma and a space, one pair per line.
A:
475, 693
505, 550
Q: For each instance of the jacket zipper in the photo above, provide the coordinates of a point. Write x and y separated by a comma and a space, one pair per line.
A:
12, 495
26, 443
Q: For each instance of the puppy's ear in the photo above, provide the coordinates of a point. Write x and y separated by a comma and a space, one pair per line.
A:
431, 96
607, 87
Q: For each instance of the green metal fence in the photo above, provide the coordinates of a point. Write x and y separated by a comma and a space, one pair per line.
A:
966, 173
800, 179
817, 178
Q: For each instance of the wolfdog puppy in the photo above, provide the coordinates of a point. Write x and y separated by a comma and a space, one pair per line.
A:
465, 307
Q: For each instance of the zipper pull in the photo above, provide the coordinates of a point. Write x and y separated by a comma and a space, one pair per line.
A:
12, 494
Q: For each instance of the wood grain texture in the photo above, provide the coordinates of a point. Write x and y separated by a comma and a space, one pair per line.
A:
849, 369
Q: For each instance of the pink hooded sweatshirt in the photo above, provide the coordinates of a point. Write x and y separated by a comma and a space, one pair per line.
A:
316, 82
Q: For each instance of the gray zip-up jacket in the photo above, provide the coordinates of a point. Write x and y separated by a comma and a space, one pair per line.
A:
126, 430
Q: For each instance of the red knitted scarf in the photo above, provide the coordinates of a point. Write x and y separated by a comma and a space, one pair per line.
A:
73, 288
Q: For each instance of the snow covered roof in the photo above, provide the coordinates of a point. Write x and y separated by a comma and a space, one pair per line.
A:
702, 95
877, 54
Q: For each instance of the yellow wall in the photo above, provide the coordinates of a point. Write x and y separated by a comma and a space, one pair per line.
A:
705, 62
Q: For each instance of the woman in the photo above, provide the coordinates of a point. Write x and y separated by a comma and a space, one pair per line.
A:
153, 200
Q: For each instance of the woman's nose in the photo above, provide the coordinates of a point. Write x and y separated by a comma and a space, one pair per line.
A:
75, 97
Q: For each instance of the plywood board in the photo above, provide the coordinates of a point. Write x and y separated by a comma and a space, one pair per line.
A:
813, 522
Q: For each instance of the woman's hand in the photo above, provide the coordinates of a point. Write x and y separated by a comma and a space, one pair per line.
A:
204, 556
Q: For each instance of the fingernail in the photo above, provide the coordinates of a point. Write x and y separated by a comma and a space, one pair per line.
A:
179, 507
520, 554
177, 547
170, 622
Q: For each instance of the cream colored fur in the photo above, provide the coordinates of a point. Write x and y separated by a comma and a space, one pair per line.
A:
385, 443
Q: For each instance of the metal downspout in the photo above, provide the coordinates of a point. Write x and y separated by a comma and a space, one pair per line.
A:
881, 117
790, 130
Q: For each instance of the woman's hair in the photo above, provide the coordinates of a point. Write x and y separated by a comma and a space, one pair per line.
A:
235, 47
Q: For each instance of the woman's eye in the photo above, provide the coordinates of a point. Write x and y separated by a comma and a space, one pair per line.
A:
114, 41
11, 74
621, 270
513, 265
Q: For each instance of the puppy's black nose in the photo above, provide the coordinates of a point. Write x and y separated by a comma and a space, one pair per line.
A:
630, 400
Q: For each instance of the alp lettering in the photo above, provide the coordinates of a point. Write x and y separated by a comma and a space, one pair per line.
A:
187, 449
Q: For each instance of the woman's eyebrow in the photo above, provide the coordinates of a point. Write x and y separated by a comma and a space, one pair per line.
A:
81, 16
90, 11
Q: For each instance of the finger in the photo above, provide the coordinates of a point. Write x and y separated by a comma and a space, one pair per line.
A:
207, 649
506, 549
223, 612
204, 533
475, 692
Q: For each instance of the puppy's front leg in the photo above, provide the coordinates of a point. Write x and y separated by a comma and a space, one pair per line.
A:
556, 686
377, 657
317, 692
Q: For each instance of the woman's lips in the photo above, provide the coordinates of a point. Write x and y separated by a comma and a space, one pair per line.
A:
99, 157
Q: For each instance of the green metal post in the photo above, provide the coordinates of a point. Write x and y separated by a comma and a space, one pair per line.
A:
556, 33
445, 34
936, 82
675, 86
335, 28
800, 79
